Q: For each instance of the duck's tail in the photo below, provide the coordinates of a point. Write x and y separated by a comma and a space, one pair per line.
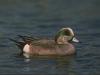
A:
25, 40
20, 44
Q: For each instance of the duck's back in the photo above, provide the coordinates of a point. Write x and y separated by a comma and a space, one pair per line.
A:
49, 47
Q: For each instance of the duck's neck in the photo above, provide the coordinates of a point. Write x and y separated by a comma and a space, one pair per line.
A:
61, 40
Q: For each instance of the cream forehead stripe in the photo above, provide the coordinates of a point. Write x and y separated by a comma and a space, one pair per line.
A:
68, 29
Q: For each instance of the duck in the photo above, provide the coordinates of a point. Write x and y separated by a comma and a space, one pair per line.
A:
61, 45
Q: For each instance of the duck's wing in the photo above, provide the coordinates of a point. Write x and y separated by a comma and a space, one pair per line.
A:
45, 43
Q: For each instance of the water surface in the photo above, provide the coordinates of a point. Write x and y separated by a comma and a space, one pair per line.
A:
43, 18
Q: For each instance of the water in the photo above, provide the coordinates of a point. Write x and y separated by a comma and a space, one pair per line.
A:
43, 18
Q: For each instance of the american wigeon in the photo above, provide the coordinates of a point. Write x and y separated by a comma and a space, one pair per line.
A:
60, 45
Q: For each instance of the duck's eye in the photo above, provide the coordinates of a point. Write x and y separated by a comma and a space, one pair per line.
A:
69, 38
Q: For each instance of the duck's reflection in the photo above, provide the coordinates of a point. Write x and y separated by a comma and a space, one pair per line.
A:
50, 64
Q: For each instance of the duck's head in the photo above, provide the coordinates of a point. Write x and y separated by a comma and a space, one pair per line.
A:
65, 35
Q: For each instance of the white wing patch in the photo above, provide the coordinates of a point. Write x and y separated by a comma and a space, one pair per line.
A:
26, 48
